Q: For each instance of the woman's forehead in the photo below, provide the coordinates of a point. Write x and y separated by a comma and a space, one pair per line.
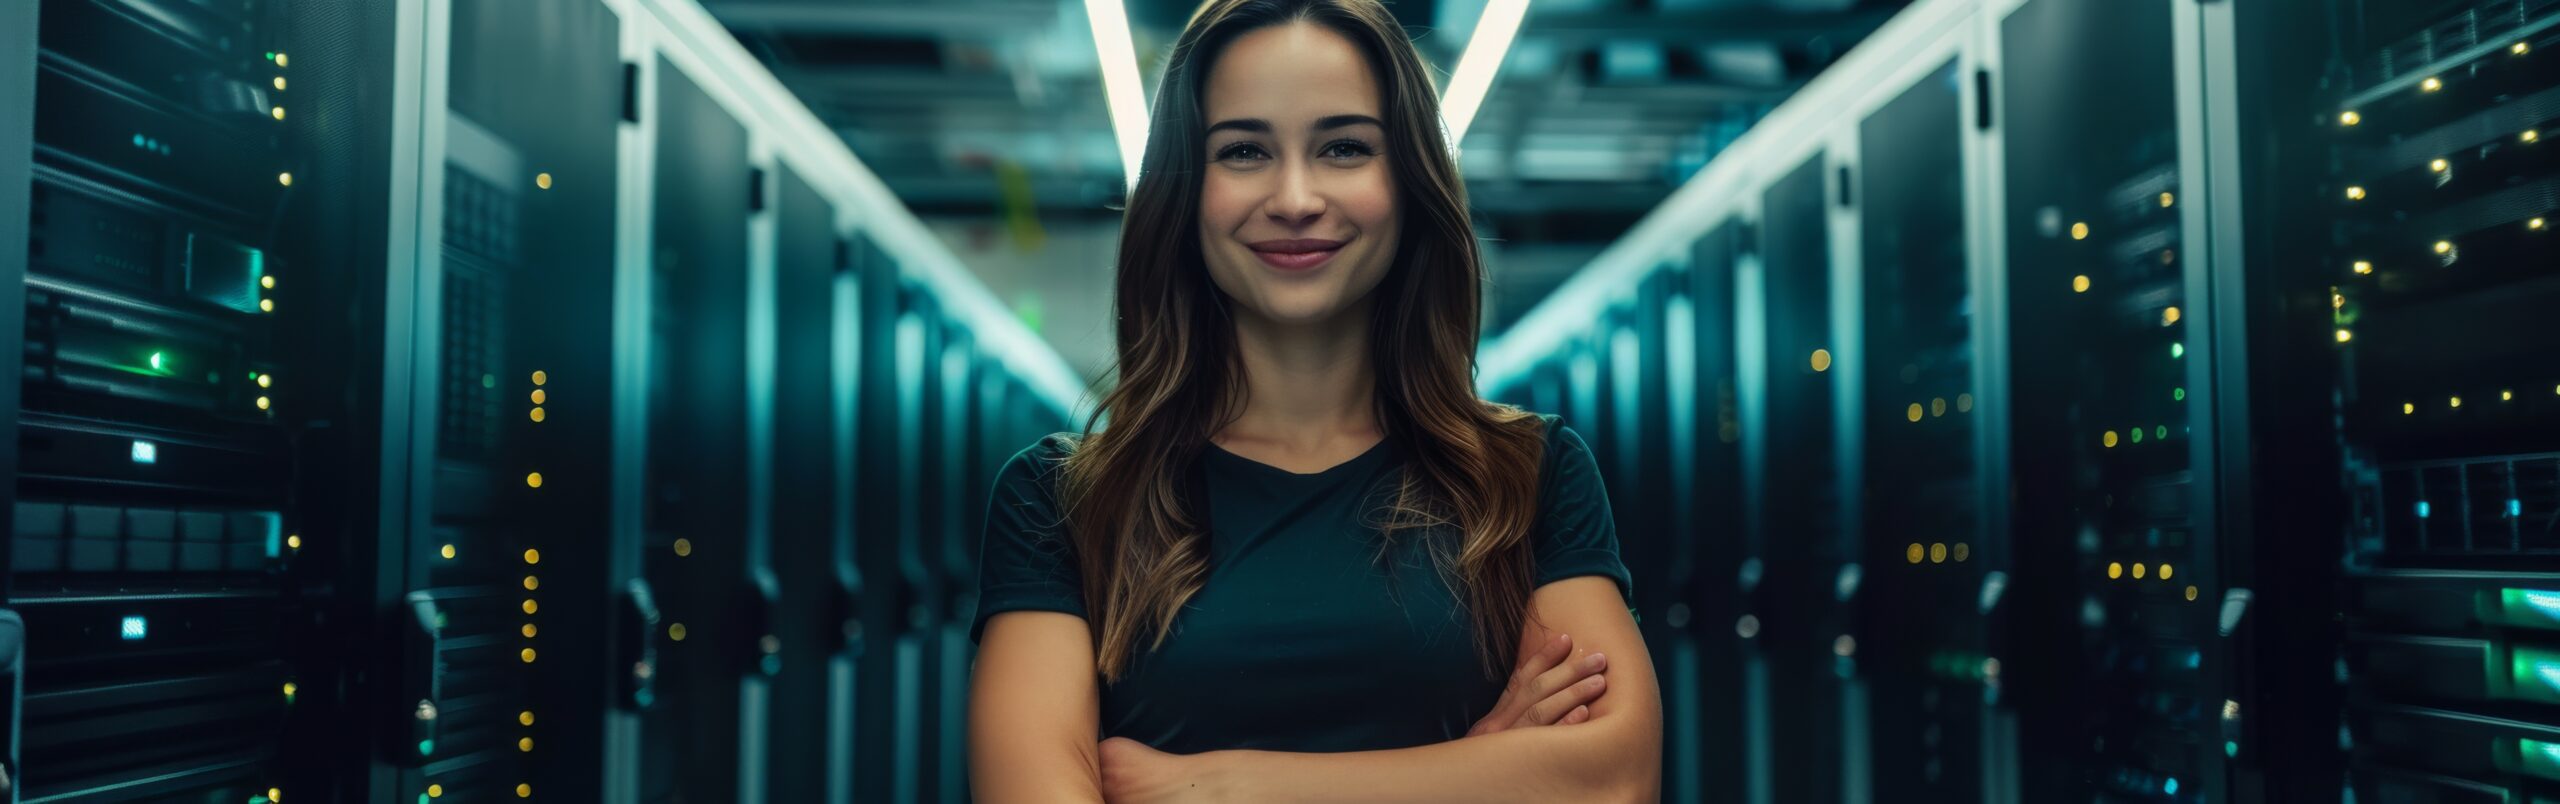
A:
1290, 75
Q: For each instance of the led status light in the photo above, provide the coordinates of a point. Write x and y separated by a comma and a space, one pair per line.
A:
2109, 439
134, 628
2438, 165
2408, 408
527, 654
540, 377
2349, 118
264, 403
1913, 553
2177, 350
533, 480
2355, 193
278, 112
1938, 553
528, 630
145, 452
536, 415
266, 380
2457, 401
532, 556
285, 179
280, 60
1821, 360
524, 718
2137, 571
2167, 199
293, 542
2364, 267
2431, 84
1964, 403
1937, 407
2535, 224
266, 305
1961, 552
542, 180
1913, 412
531, 583
2520, 48
2080, 231
539, 397
2345, 335
524, 744
530, 606
2115, 569
268, 282
447, 551
279, 82
2080, 284
2528, 136
684, 547
2166, 570
675, 631
2169, 316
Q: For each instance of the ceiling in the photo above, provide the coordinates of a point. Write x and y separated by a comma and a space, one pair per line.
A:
992, 110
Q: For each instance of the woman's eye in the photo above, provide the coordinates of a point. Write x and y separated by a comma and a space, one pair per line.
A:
1240, 150
1348, 149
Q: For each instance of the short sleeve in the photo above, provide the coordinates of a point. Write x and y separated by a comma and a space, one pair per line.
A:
1575, 534
1025, 561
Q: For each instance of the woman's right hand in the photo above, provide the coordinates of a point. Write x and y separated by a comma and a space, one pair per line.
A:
1547, 689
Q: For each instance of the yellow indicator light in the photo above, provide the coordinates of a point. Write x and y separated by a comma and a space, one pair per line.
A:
2191, 592
542, 180
539, 396
2520, 48
279, 82
1912, 553
1964, 403
268, 282
684, 547
2457, 401
266, 305
2169, 316
1912, 413
524, 791
528, 630
2345, 335
524, 744
2529, 136
540, 377
527, 654
435, 791
2167, 199
536, 415
285, 179
2535, 224
2431, 84
530, 606
2363, 267
278, 112
2115, 569
447, 551
524, 718
2438, 165
289, 689
1938, 553
675, 632
280, 62
265, 380
274, 794
2444, 246
264, 403
2108, 439
533, 556
2137, 571
2408, 408
2337, 301
2080, 231
531, 583
1938, 407
2166, 571
2080, 284
2508, 395
293, 542
1822, 360
2349, 118
533, 480
1963, 551
2355, 193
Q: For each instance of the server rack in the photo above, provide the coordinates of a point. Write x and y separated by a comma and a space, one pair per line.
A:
2431, 243
806, 496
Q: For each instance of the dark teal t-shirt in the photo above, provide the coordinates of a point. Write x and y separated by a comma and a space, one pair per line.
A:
1303, 638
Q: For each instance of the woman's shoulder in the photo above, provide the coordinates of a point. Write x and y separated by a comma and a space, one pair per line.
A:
1032, 472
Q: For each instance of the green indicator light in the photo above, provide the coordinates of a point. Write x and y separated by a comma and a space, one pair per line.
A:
426, 747
2230, 749
2534, 675
159, 361
2529, 606
2137, 435
2161, 431
488, 381
2179, 394
422, 798
2177, 350
2539, 758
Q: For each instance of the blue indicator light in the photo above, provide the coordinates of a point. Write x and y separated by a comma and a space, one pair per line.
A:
145, 452
137, 140
2515, 508
136, 628
2195, 659
2169, 787
2423, 509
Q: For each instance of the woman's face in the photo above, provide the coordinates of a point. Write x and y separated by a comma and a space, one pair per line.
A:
1297, 209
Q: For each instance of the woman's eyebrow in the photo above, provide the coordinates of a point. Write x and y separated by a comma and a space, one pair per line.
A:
1256, 125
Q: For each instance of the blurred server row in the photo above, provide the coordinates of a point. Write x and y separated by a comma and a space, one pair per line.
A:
2093, 401
470, 400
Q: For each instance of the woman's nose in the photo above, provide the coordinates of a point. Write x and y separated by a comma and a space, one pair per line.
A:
1295, 201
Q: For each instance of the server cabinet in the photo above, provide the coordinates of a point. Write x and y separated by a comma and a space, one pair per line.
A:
806, 542
188, 480
1800, 608
2114, 498
1920, 644
2431, 201
1707, 470
888, 597
17, 122
699, 556
955, 490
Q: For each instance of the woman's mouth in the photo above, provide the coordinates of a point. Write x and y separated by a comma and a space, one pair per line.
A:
1295, 255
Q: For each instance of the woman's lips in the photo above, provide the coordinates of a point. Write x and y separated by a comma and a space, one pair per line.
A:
1295, 255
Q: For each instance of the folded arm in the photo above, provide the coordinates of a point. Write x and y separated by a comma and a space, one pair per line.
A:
1034, 706
1614, 756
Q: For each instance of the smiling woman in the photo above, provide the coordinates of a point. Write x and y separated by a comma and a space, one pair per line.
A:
1302, 558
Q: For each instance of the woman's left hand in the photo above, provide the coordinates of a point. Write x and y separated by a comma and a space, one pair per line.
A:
1134, 773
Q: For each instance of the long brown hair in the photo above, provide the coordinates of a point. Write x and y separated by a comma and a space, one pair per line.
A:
1471, 466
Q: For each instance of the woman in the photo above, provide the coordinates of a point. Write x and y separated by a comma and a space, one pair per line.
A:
1301, 557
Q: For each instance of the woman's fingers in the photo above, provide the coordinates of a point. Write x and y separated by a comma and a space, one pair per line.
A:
1521, 690
1579, 714
1565, 687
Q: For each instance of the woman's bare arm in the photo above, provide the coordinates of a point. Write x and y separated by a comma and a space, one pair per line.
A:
1034, 708
1615, 756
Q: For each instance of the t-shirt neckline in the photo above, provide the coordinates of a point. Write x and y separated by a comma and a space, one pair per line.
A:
1364, 457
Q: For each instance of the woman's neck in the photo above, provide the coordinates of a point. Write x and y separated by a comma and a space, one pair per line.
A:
1309, 388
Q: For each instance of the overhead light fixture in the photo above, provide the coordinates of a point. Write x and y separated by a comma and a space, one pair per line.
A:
1120, 87
1474, 76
